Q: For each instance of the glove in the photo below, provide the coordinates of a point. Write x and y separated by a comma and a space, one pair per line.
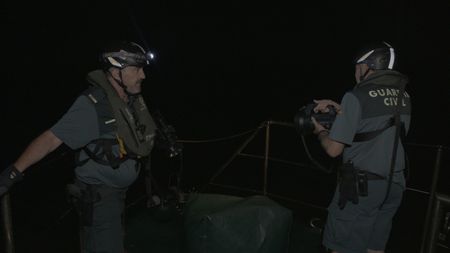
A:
8, 178
348, 185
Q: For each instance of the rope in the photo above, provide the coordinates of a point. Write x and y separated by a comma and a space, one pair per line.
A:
280, 123
220, 138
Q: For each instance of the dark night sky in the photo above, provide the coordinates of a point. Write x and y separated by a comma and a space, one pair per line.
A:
222, 67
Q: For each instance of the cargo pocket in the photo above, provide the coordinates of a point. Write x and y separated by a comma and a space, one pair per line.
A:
341, 226
83, 197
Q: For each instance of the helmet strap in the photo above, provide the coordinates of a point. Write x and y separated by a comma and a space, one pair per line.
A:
363, 76
123, 86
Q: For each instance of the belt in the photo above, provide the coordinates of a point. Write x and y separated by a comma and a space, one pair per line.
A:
372, 176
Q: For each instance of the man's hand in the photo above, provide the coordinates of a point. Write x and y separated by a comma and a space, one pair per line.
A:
8, 178
323, 105
317, 126
333, 148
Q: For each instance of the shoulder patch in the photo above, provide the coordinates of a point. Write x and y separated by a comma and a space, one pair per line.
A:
106, 119
92, 98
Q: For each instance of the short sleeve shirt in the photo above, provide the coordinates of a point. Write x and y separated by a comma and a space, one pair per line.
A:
77, 128
373, 155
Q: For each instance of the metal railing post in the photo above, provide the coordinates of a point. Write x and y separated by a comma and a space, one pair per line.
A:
437, 215
266, 156
7, 223
431, 199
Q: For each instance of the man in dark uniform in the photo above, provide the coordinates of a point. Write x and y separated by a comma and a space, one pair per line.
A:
112, 129
367, 129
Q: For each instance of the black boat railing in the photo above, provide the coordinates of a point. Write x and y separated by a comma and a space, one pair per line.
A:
267, 157
7, 223
429, 233
435, 200
430, 241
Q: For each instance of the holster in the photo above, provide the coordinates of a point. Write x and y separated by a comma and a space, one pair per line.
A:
348, 188
353, 182
84, 196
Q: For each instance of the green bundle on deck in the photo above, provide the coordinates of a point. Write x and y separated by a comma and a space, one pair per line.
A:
226, 224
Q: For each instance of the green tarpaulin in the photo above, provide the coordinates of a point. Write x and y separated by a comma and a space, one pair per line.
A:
226, 224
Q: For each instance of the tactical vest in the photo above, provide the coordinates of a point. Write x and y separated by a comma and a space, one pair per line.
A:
132, 125
383, 94
379, 95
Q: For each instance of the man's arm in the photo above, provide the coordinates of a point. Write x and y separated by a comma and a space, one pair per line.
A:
77, 127
332, 147
344, 127
37, 149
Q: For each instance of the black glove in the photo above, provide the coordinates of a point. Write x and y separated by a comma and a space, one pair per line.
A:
348, 185
8, 177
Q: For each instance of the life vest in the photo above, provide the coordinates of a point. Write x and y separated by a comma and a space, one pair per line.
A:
131, 127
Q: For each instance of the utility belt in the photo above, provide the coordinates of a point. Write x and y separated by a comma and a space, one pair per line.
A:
369, 175
86, 197
353, 183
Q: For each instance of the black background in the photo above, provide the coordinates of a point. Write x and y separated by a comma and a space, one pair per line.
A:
225, 66
222, 67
